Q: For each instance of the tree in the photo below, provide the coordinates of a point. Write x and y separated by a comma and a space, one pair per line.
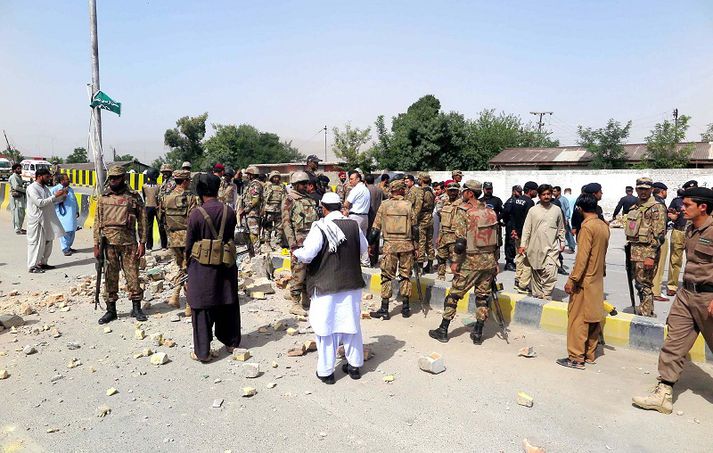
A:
124, 158
707, 136
240, 146
186, 140
57, 159
662, 145
78, 156
606, 144
347, 146
14, 155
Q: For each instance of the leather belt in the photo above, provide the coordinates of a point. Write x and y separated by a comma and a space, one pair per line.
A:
698, 287
357, 213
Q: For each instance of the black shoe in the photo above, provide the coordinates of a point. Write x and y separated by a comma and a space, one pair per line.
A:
110, 314
510, 267
382, 312
561, 271
477, 334
47, 267
67, 253
429, 267
441, 333
405, 309
329, 380
136, 311
352, 371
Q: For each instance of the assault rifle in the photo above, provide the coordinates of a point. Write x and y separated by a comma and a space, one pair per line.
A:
417, 272
99, 265
630, 274
494, 288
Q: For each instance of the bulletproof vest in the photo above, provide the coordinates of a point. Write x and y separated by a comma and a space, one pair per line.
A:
176, 210
214, 252
448, 212
397, 220
274, 196
635, 228
116, 211
429, 200
482, 233
303, 212
151, 195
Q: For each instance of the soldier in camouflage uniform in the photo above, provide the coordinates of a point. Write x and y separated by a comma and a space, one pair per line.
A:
343, 186
228, 192
396, 218
425, 223
251, 206
167, 185
645, 230
446, 232
299, 211
178, 206
119, 215
475, 265
272, 212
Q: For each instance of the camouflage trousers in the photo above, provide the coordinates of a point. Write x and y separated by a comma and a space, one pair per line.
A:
644, 279
254, 229
122, 257
443, 253
298, 287
390, 264
425, 241
472, 274
271, 227
180, 254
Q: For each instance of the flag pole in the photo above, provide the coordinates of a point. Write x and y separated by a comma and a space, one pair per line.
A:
96, 113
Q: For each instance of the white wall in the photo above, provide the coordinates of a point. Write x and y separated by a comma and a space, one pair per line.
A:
613, 181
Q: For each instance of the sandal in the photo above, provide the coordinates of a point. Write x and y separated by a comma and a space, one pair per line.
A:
36, 270
195, 357
566, 362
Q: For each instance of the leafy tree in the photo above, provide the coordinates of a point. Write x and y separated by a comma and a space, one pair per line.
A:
57, 159
78, 156
124, 158
14, 155
158, 162
240, 146
606, 144
662, 145
707, 136
347, 146
186, 140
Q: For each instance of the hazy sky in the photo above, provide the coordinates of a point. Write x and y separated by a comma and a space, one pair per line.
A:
292, 67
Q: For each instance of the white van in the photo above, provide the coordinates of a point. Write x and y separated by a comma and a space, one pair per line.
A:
30, 166
5, 169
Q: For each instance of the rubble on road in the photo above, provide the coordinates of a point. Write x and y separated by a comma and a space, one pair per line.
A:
529, 448
103, 411
432, 363
249, 391
251, 370
4, 374
111, 391
523, 399
159, 358
527, 351
241, 354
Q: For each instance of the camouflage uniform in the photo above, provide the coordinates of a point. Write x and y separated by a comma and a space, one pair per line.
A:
645, 230
227, 193
166, 188
117, 218
422, 200
252, 208
446, 234
343, 190
299, 211
274, 195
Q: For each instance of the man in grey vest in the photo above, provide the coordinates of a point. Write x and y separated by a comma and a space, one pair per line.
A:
332, 251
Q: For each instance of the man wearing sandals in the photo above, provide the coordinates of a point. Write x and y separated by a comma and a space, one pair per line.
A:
585, 287
42, 222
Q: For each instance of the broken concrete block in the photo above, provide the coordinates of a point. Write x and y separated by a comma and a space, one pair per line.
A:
292, 331
249, 391
167, 342
296, 352
529, 448
251, 370
147, 352
241, 354
107, 329
432, 363
55, 332
278, 325
527, 351
111, 391
274, 364
9, 321
310, 345
218, 402
523, 399
257, 295
29, 349
260, 285
159, 358
156, 338
156, 287
155, 274
389, 378
271, 385
74, 363
139, 334
26, 309
4, 374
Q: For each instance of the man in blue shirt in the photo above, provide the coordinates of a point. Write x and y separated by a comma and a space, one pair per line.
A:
67, 212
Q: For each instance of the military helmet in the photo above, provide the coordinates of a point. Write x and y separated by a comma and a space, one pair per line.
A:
397, 184
182, 174
299, 176
166, 167
229, 171
116, 170
252, 170
274, 173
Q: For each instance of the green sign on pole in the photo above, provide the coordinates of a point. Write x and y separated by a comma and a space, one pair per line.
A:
101, 100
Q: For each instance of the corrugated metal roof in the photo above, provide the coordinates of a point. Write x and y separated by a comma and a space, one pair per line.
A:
577, 155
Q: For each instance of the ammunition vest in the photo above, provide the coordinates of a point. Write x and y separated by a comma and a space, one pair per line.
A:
116, 211
447, 216
482, 233
274, 196
303, 213
635, 228
214, 252
397, 220
150, 195
176, 210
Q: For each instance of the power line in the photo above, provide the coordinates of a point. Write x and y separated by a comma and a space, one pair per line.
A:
540, 123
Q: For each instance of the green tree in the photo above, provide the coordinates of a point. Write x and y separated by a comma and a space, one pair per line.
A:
186, 140
240, 146
606, 144
57, 159
124, 158
78, 156
707, 136
14, 155
662, 145
347, 146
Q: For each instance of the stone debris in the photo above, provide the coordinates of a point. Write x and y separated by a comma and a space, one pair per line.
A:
257, 295
107, 329
139, 334
523, 399
74, 363
249, 391
365, 314
432, 363
156, 287
260, 285
292, 331
679, 413
56, 377
274, 364
10, 321
111, 391
297, 352
103, 411
218, 402
55, 332
389, 378
527, 351
146, 352
26, 309
529, 448
29, 349
241, 354
278, 325
271, 385
159, 358
156, 338
251, 370
167, 342
64, 309
310, 345
4, 374
52, 430
155, 274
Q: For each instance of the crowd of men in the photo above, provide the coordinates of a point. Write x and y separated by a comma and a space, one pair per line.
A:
412, 223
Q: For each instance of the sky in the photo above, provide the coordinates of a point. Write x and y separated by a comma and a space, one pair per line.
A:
293, 67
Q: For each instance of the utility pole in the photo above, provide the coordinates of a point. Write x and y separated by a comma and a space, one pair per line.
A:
675, 119
325, 142
96, 113
540, 123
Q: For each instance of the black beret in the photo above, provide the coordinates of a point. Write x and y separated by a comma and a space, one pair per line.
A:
691, 183
530, 185
592, 187
207, 185
660, 185
699, 192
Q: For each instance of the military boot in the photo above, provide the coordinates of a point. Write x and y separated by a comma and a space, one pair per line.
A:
660, 399
382, 312
429, 267
441, 334
110, 314
477, 334
405, 307
136, 311
173, 301
296, 308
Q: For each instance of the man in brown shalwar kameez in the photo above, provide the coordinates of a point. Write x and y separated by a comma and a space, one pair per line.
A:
212, 287
585, 287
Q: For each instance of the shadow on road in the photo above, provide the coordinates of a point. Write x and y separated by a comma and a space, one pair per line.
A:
383, 348
696, 380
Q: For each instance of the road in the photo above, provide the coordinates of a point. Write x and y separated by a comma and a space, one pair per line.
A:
470, 407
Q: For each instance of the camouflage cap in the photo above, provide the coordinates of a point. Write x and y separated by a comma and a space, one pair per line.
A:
274, 173
472, 184
299, 176
166, 167
644, 183
186, 165
456, 173
116, 170
182, 174
252, 170
453, 186
397, 184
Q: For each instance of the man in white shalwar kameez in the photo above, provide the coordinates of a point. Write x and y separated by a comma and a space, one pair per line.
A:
43, 226
332, 251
